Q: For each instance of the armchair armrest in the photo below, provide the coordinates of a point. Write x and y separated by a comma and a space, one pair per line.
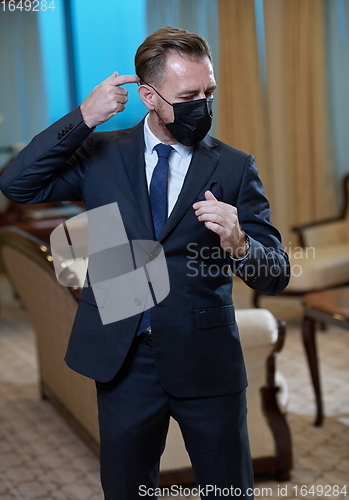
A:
257, 327
323, 233
328, 231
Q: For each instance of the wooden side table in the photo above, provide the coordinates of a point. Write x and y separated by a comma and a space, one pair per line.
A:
329, 306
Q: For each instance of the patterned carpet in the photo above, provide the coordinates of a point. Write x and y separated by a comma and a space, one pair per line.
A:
41, 458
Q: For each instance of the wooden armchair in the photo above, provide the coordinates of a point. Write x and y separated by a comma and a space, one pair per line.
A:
322, 259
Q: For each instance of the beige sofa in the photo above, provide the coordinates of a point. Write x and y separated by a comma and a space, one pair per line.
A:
52, 308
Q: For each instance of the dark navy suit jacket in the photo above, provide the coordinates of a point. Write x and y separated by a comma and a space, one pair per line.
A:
195, 338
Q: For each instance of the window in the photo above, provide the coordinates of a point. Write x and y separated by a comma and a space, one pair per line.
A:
82, 44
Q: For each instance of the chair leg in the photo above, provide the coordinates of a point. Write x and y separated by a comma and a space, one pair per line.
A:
281, 432
309, 342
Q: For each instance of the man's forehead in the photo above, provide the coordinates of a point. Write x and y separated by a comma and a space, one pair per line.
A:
176, 60
184, 68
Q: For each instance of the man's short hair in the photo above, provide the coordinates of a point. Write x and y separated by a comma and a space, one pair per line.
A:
150, 58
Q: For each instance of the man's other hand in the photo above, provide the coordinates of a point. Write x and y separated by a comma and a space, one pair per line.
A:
106, 100
222, 219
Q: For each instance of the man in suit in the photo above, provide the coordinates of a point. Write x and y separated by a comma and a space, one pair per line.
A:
184, 359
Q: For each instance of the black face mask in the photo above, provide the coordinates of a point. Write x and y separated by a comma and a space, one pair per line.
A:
192, 119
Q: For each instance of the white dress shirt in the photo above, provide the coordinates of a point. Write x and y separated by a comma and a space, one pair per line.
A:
179, 161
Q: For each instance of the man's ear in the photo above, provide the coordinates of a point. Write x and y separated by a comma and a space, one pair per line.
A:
148, 96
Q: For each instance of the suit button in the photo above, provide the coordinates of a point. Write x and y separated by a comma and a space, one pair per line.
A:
138, 302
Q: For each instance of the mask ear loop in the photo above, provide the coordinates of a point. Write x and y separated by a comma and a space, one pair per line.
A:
145, 83
142, 82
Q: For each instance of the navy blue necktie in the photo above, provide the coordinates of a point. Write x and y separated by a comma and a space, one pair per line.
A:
159, 206
158, 188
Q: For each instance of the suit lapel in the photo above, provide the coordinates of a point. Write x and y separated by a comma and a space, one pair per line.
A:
202, 166
132, 151
204, 161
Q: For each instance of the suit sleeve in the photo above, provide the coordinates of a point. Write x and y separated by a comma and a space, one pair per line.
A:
267, 267
53, 166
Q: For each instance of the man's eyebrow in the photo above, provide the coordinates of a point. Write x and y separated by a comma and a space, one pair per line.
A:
194, 92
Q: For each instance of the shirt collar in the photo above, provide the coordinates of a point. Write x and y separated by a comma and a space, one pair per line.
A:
151, 141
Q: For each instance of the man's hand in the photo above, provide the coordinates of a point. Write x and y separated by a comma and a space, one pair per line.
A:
222, 219
106, 100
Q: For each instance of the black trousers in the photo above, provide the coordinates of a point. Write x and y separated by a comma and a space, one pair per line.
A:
134, 412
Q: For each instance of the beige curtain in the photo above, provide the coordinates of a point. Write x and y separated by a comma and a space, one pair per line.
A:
242, 106
287, 130
311, 172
